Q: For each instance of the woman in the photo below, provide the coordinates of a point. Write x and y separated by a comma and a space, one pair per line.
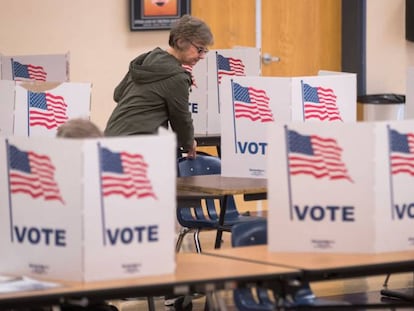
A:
155, 90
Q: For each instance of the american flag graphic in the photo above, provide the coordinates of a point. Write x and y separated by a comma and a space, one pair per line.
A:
402, 152
125, 174
33, 174
47, 110
229, 66
320, 103
251, 103
316, 156
28, 71
189, 69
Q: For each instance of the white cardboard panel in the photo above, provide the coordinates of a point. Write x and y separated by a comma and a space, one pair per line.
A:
199, 97
51, 68
205, 95
6, 107
250, 104
409, 97
82, 228
37, 109
360, 208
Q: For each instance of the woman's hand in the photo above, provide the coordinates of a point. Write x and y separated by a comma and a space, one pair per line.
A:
192, 152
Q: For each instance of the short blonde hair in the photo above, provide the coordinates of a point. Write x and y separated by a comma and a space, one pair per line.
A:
78, 128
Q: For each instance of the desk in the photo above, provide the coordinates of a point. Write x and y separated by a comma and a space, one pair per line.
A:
193, 274
323, 266
222, 186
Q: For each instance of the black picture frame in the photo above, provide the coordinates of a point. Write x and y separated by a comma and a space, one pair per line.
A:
156, 14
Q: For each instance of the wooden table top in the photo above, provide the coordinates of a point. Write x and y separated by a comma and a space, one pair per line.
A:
191, 268
325, 264
222, 185
187, 194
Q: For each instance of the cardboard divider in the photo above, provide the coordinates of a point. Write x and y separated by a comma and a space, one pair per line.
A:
250, 104
101, 209
340, 187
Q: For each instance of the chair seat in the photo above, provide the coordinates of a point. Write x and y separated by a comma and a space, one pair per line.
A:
198, 222
194, 216
241, 218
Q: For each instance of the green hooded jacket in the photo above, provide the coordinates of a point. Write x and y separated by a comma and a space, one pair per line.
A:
153, 93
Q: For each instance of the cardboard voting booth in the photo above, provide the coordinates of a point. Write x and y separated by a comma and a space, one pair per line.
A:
38, 108
207, 74
343, 187
54, 67
409, 97
250, 104
7, 96
86, 210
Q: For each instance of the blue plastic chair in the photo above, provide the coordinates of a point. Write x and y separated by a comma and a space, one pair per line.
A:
298, 294
247, 234
190, 213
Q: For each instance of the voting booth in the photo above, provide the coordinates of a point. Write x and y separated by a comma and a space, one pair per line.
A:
53, 67
38, 108
409, 98
102, 209
207, 75
341, 187
250, 104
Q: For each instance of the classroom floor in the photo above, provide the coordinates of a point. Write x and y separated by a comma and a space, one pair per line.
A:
348, 289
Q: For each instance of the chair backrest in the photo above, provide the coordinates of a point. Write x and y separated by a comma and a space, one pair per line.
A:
201, 165
249, 233
205, 164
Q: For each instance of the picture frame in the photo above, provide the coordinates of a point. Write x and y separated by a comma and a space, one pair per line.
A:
156, 14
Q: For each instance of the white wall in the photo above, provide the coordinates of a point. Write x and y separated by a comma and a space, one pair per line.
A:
95, 32
388, 53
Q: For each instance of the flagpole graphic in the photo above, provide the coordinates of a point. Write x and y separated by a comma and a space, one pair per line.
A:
234, 118
102, 197
289, 182
11, 221
303, 100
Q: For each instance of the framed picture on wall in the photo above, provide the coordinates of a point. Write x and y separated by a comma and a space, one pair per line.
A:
156, 14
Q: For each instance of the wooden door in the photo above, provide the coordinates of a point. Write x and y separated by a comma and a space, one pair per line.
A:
304, 34
232, 21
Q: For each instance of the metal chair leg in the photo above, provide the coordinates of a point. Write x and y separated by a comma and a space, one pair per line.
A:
385, 285
197, 240
180, 238
151, 304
